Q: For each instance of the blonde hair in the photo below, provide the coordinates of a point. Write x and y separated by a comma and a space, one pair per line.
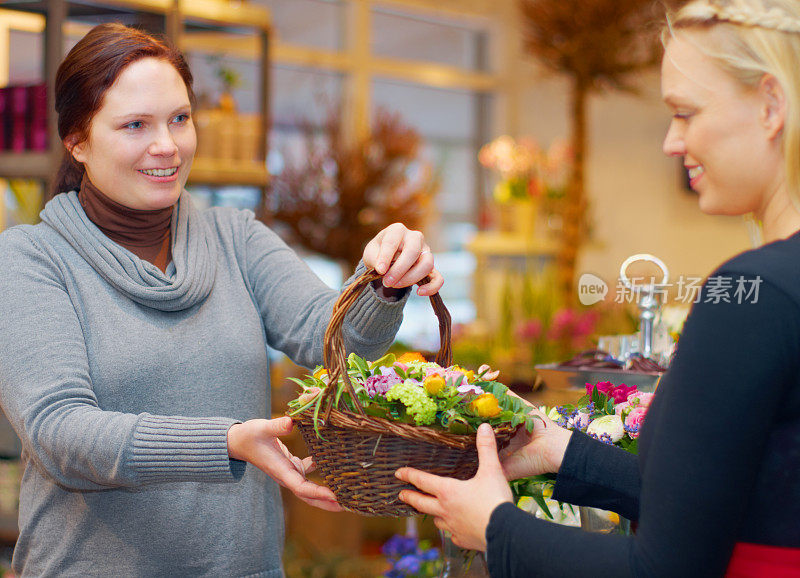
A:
748, 39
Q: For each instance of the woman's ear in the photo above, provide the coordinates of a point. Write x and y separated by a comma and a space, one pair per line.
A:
75, 147
773, 112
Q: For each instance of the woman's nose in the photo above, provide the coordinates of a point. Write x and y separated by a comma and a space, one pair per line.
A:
163, 144
674, 145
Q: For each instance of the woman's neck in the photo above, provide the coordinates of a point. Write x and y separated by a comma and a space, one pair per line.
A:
146, 234
780, 220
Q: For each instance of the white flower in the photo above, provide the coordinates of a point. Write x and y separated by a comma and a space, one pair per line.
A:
553, 414
608, 424
485, 374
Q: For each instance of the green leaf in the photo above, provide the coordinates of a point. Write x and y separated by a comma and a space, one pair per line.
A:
358, 363
377, 411
317, 407
385, 361
459, 425
299, 382
542, 504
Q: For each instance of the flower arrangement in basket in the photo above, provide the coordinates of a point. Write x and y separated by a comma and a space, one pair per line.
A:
363, 420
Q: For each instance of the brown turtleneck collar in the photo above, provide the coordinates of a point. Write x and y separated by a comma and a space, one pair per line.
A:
146, 234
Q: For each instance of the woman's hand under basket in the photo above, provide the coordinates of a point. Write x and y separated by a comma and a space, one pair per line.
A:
462, 507
403, 258
540, 452
256, 441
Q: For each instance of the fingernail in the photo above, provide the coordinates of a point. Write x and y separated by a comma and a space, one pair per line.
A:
388, 281
381, 267
397, 475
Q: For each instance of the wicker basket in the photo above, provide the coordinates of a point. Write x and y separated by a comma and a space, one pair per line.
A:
358, 454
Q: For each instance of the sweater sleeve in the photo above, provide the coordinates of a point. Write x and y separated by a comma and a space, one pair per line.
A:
599, 475
705, 435
46, 393
296, 305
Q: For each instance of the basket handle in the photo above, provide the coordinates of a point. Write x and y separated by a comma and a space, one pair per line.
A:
334, 357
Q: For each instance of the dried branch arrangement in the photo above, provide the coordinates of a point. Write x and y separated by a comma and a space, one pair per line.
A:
340, 194
599, 45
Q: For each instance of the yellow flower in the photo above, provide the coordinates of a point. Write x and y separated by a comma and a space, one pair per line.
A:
410, 356
485, 405
527, 504
468, 375
320, 373
547, 492
434, 383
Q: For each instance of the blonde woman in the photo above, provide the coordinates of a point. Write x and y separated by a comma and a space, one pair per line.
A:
716, 489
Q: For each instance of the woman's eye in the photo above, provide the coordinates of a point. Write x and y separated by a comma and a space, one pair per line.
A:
682, 115
181, 118
137, 124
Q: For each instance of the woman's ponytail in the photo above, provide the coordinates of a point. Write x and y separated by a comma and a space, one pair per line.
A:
69, 176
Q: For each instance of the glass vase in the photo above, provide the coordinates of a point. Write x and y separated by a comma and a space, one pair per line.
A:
459, 563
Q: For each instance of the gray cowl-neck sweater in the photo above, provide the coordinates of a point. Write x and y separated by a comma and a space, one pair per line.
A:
122, 380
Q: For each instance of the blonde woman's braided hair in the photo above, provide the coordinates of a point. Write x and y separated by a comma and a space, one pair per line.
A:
749, 39
752, 15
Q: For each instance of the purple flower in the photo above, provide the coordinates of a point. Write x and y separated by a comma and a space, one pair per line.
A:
579, 421
408, 564
399, 545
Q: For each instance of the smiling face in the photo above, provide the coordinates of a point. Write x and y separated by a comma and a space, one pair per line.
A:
141, 142
723, 130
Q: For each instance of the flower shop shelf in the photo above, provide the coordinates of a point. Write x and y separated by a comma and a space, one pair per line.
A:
228, 172
185, 22
26, 165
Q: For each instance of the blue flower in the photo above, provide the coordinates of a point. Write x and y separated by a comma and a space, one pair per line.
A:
409, 564
398, 546
429, 554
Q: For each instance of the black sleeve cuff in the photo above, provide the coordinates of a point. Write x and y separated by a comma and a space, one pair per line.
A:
599, 475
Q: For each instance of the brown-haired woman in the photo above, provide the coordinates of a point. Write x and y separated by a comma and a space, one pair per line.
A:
134, 337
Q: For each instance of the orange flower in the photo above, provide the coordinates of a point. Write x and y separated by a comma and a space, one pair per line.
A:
485, 405
320, 373
410, 356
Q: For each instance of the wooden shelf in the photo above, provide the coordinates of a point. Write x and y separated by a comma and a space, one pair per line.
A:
178, 15
494, 243
38, 165
227, 13
226, 172
28, 165
80, 8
